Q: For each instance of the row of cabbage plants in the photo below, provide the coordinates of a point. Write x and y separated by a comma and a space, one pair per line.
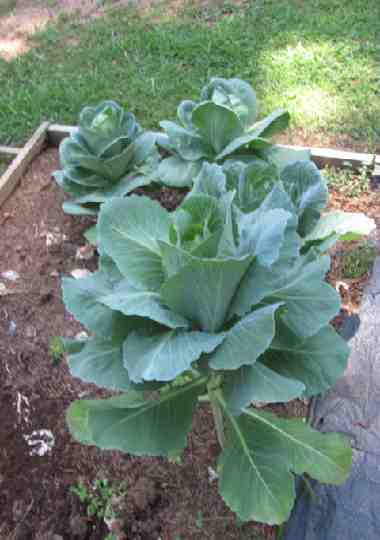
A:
221, 303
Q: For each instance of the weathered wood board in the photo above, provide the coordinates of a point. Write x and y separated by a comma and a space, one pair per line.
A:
321, 156
53, 135
15, 171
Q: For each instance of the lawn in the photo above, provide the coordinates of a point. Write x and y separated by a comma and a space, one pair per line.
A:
318, 58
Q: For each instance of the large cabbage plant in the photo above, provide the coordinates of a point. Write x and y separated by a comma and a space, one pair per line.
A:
219, 127
223, 301
107, 155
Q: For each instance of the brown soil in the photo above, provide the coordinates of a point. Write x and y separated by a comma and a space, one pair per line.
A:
179, 501
351, 290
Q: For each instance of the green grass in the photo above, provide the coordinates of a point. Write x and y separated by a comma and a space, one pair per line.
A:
318, 58
6, 6
358, 262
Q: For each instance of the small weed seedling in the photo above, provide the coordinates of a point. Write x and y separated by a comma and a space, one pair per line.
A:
96, 498
56, 350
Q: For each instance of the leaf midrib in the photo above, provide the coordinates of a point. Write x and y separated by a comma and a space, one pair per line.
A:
157, 403
133, 240
250, 412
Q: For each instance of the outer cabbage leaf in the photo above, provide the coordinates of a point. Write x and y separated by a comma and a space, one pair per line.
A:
310, 302
140, 302
131, 424
317, 361
81, 297
258, 383
263, 451
340, 226
100, 362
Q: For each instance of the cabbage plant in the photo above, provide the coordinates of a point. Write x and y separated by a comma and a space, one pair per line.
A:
108, 155
222, 303
221, 126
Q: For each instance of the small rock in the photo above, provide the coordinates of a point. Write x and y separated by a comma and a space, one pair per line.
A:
12, 328
81, 336
85, 252
78, 527
30, 331
3, 290
212, 475
18, 510
10, 275
40, 441
53, 239
80, 273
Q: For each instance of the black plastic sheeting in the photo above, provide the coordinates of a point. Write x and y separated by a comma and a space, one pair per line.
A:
350, 511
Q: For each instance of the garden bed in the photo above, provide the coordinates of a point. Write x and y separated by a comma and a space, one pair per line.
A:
164, 500
35, 394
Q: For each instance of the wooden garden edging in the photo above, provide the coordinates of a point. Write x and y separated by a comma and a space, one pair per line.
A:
24, 156
52, 135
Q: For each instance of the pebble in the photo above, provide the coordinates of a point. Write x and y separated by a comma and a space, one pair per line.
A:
12, 328
85, 253
212, 475
53, 239
30, 331
3, 290
81, 336
40, 441
79, 273
10, 275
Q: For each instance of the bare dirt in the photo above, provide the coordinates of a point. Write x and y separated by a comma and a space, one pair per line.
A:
178, 502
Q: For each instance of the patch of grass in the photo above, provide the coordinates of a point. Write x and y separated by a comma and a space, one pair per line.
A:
3, 166
6, 6
318, 58
358, 262
350, 182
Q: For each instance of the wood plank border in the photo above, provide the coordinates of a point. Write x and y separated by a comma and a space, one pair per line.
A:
56, 133
9, 151
12, 176
321, 156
